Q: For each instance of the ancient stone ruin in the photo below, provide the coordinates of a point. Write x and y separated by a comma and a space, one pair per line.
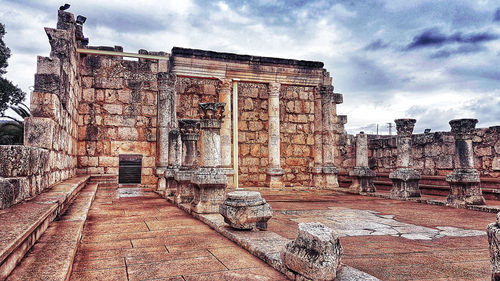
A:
194, 125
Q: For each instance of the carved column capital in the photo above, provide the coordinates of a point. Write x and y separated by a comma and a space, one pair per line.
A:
405, 127
463, 128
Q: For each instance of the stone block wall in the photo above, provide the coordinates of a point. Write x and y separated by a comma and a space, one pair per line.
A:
253, 133
297, 134
50, 135
118, 113
432, 153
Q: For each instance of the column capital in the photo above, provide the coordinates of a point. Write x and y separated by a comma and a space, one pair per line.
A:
405, 126
274, 88
211, 110
166, 79
463, 128
226, 83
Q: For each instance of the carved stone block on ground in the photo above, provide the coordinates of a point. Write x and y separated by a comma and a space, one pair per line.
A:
315, 254
494, 242
246, 210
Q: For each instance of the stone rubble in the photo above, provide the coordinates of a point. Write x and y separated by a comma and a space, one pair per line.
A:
315, 254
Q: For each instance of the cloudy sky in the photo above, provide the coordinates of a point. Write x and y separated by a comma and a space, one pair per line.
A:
429, 60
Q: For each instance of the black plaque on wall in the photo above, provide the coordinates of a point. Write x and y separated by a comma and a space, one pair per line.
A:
130, 168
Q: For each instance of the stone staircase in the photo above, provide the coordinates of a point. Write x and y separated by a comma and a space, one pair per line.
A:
39, 238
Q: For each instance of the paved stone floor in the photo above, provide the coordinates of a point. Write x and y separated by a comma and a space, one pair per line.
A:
391, 239
133, 234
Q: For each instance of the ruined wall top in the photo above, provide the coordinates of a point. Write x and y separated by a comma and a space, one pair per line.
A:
196, 53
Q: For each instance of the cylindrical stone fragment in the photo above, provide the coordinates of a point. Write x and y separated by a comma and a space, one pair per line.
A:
210, 124
189, 135
361, 150
404, 128
174, 148
463, 131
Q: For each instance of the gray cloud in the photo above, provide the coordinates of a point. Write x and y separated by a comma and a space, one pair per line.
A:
376, 45
496, 16
434, 38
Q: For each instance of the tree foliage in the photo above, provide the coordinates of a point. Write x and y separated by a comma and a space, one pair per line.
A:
12, 131
10, 94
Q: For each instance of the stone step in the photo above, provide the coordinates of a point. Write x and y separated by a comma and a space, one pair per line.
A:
51, 258
23, 224
104, 178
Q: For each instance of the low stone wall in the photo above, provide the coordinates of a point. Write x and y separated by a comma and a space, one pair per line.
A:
432, 153
29, 171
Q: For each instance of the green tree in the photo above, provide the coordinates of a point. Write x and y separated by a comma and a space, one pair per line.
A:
12, 132
10, 94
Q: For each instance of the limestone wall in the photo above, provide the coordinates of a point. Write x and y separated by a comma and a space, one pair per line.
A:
432, 153
253, 133
50, 135
297, 134
117, 113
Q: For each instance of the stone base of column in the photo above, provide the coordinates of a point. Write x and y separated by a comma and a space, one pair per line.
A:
171, 184
493, 231
405, 183
184, 192
161, 184
209, 190
273, 177
229, 172
318, 177
362, 180
330, 174
465, 188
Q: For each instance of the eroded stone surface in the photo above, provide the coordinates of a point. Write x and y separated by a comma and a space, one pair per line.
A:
315, 254
352, 222
493, 230
246, 210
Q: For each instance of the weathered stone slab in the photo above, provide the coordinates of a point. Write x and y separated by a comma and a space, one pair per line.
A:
493, 231
315, 254
246, 210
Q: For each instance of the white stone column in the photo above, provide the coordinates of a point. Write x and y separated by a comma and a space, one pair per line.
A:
465, 183
317, 170
226, 132
329, 114
274, 172
167, 118
362, 176
404, 178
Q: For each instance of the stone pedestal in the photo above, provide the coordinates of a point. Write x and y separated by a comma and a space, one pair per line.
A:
209, 190
404, 179
362, 180
493, 231
405, 183
274, 172
174, 148
185, 189
161, 184
210, 180
171, 184
315, 254
273, 177
362, 175
246, 210
465, 185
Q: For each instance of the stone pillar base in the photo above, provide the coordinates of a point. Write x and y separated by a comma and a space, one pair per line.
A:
209, 190
362, 180
493, 231
273, 177
229, 172
161, 184
171, 184
330, 174
465, 188
318, 177
184, 193
405, 183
